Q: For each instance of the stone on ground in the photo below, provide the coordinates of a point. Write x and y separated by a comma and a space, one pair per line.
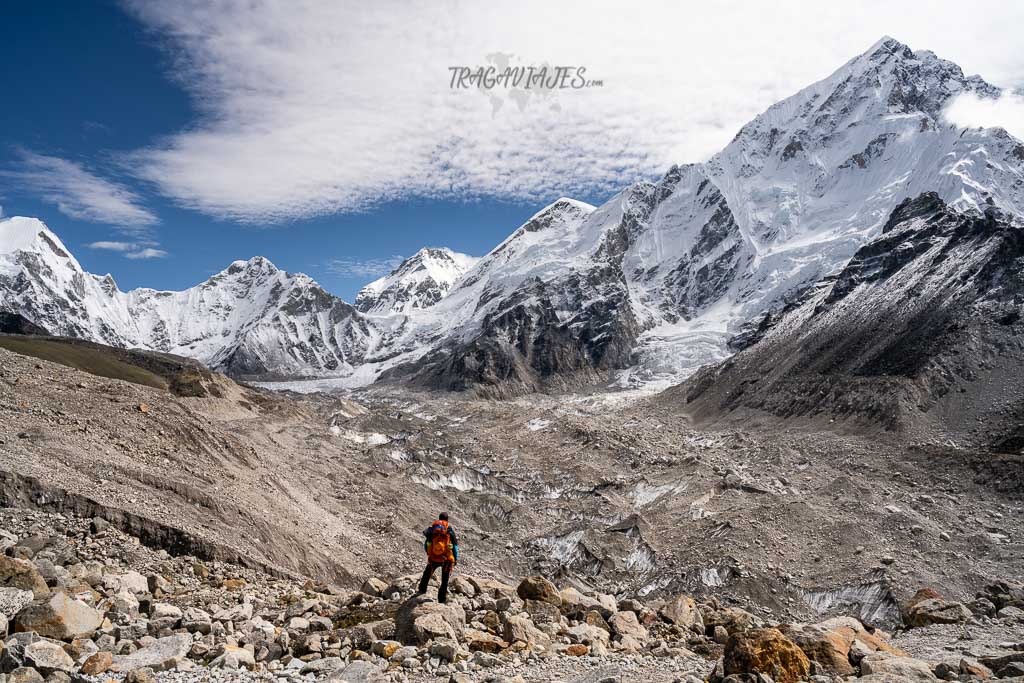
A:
766, 651
164, 653
60, 617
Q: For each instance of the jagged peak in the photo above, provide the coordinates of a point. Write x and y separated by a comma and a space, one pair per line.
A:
885, 47
925, 204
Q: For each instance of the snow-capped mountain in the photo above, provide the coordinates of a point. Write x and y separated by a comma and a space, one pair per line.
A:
663, 278
420, 281
920, 330
659, 279
249, 319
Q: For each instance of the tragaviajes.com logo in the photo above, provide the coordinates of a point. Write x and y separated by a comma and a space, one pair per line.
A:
521, 83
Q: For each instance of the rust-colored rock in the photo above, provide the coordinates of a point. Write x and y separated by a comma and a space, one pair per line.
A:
766, 651
831, 650
577, 651
97, 664
539, 588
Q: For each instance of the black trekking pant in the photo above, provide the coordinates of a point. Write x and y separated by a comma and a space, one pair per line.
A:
446, 571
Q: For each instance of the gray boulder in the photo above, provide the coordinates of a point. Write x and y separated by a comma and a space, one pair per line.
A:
47, 656
59, 617
161, 655
358, 672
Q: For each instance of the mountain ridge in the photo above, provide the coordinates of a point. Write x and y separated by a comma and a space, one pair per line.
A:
663, 278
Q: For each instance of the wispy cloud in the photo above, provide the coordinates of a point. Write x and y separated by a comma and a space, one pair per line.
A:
132, 250
113, 246
348, 267
311, 107
970, 111
80, 193
147, 253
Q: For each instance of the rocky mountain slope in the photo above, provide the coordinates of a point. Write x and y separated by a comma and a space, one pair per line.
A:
663, 278
921, 331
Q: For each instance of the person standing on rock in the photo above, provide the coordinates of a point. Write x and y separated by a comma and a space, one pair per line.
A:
442, 546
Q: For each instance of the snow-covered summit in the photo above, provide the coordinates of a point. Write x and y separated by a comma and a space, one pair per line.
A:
420, 281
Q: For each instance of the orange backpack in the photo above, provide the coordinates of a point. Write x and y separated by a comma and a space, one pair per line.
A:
439, 545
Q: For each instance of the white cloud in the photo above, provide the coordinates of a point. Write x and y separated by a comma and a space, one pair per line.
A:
132, 250
112, 246
147, 253
348, 267
79, 193
312, 107
970, 111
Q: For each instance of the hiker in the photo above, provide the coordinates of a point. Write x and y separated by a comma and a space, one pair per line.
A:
442, 546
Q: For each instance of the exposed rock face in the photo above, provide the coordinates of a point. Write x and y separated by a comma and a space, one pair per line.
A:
59, 616
15, 323
769, 652
896, 336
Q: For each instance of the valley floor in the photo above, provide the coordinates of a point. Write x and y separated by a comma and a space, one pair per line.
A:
626, 498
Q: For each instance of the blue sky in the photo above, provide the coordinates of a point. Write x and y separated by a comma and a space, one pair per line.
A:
93, 84
176, 137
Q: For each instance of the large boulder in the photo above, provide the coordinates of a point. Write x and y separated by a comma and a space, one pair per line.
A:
829, 649
885, 666
766, 651
373, 586
420, 619
574, 602
520, 628
585, 634
59, 617
16, 573
97, 664
936, 611
626, 624
129, 581
13, 600
163, 654
683, 612
850, 629
538, 588
47, 656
